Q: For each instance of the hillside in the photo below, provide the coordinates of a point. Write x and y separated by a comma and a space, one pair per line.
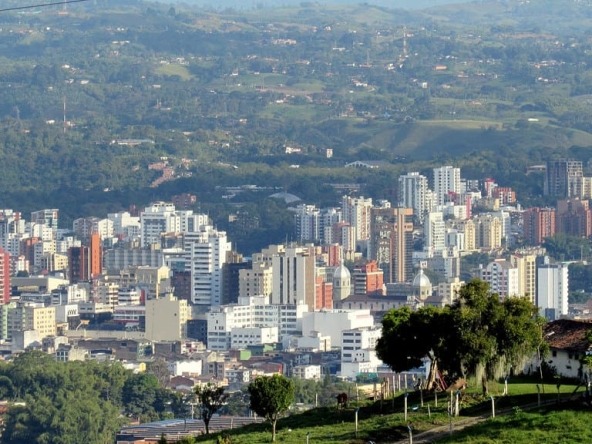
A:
513, 423
94, 97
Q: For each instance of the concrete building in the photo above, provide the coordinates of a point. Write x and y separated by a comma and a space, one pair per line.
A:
294, 276
358, 354
256, 281
538, 224
166, 319
206, 252
308, 223
527, 274
446, 184
252, 312
333, 322
488, 232
356, 212
243, 337
435, 231
553, 290
391, 243
31, 317
307, 372
4, 276
563, 178
414, 193
116, 259
502, 278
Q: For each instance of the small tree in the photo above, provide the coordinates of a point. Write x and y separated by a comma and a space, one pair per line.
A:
211, 398
271, 396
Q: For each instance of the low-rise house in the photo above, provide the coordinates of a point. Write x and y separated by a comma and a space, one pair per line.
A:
568, 345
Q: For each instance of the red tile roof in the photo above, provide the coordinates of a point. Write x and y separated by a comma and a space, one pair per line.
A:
567, 334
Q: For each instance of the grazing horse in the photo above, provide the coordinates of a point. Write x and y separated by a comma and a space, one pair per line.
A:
342, 400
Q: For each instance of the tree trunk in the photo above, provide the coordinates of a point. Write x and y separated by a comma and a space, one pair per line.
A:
207, 425
431, 381
484, 384
273, 423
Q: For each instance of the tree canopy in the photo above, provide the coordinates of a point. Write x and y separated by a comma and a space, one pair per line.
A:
73, 402
478, 335
271, 396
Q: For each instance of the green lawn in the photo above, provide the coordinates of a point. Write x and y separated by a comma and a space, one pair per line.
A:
383, 424
561, 426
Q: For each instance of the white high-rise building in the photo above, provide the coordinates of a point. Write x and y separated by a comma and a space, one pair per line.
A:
307, 219
435, 232
414, 193
12, 228
329, 217
446, 181
553, 290
356, 211
205, 254
158, 218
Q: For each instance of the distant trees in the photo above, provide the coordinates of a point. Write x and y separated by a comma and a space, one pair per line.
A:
478, 335
271, 396
76, 402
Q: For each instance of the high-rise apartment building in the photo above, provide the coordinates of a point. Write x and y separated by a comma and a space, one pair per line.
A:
414, 193
563, 178
356, 211
574, 217
553, 290
446, 183
435, 232
502, 278
488, 232
4, 277
308, 224
391, 243
205, 254
294, 276
538, 224
526, 265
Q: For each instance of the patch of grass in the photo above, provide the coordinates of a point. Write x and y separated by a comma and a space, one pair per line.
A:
554, 426
174, 70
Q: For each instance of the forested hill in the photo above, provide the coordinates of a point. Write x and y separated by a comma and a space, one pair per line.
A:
109, 103
258, 4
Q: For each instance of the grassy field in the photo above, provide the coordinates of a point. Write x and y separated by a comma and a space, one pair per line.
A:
386, 423
174, 70
554, 426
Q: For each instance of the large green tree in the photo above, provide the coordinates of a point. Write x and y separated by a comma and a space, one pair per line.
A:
271, 396
479, 335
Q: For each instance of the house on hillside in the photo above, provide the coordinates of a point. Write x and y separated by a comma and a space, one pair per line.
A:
568, 344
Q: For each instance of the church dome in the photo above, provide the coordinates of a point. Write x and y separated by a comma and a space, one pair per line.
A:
341, 273
421, 280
